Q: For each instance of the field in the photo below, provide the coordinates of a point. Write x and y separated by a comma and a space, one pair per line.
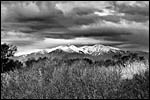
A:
54, 78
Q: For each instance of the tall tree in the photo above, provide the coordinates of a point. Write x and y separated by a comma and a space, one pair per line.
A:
7, 51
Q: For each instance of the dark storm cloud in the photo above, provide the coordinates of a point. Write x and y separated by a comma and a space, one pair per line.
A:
36, 25
29, 11
22, 43
134, 10
83, 11
116, 38
129, 17
111, 18
136, 18
110, 32
54, 18
42, 22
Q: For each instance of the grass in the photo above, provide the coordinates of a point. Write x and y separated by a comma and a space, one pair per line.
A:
134, 68
46, 79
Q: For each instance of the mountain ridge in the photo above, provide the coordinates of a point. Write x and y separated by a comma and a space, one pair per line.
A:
94, 50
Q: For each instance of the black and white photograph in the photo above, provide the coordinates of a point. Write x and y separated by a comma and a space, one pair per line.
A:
74, 49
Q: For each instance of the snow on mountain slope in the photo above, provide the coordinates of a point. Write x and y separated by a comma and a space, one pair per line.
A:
92, 50
70, 48
98, 49
89, 49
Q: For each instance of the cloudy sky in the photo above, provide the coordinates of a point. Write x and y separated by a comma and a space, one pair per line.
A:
38, 25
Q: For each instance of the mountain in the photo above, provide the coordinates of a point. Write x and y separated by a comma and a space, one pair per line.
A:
96, 51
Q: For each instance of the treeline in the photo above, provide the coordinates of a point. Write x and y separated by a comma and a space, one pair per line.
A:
117, 59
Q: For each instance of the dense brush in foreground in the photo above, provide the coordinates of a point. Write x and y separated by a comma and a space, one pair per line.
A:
51, 79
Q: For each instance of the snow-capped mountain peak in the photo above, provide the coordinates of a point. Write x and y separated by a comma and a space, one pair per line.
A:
98, 49
92, 50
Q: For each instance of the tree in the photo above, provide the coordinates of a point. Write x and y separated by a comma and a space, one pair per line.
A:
8, 51
117, 57
125, 58
31, 61
109, 62
88, 60
141, 58
134, 56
